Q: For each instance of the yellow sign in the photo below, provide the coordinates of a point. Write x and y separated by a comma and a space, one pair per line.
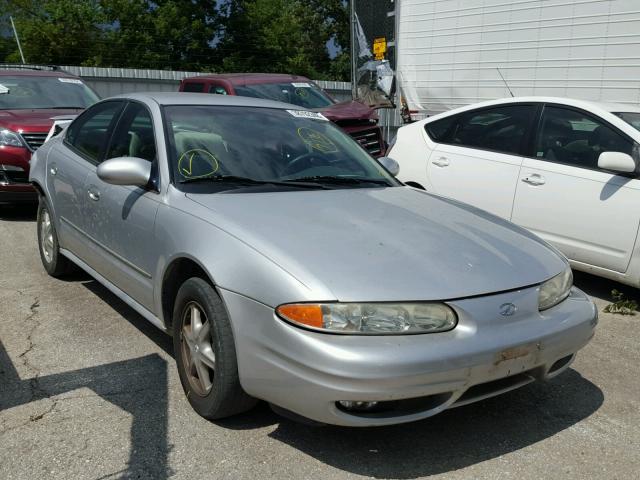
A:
379, 48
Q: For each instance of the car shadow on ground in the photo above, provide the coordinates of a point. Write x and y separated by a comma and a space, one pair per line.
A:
447, 442
18, 213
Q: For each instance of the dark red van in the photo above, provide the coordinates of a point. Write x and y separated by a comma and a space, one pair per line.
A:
29, 100
357, 119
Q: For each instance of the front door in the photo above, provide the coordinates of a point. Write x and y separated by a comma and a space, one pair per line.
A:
121, 219
589, 214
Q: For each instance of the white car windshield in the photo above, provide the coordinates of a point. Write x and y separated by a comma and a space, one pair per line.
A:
632, 118
265, 145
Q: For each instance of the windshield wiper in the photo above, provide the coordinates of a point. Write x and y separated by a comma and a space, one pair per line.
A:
250, 181
341, 180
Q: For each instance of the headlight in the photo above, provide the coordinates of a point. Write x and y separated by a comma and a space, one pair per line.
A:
371, 318
553, 291
10, 139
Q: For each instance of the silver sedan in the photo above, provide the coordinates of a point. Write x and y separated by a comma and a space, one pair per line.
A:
291, 267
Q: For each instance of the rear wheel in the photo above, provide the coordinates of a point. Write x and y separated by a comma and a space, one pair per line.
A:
53, 261
205, 352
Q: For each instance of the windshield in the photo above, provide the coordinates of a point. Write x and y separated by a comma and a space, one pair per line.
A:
631, 118
35, 92
248, 146
303, 94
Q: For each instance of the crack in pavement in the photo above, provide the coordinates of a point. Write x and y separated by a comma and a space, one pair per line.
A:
37, 392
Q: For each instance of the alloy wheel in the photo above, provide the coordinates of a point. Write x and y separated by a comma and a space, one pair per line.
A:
46, 236
198, 357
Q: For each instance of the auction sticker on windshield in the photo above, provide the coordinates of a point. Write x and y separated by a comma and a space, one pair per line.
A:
317, 140
308, 114
70, 80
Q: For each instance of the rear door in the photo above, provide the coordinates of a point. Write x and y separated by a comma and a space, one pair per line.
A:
120, 219
478, 155
69, 163
589, 214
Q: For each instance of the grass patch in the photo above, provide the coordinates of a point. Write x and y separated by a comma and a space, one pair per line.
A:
621, 305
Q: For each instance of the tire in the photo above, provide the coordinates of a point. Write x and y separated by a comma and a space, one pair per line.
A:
206, 356
53, 261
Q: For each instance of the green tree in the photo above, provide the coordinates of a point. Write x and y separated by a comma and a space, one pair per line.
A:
166, 34
55, 31
202, 35
281, 35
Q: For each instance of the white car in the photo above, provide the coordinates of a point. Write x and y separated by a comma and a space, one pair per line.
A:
565, 169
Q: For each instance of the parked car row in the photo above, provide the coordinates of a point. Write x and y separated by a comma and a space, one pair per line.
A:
263, 229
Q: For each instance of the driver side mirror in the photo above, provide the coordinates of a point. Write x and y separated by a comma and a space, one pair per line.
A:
390, 164
617, 162
125, 171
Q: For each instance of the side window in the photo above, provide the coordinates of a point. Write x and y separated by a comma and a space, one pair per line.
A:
576, 138
218, 90
500, 129
89, 133
440, 131
134, 135
193, 87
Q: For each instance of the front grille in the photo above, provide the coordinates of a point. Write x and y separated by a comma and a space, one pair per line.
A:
369, 140
34, 140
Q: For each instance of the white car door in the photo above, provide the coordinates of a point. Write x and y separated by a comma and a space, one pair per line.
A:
478, 155
589, 214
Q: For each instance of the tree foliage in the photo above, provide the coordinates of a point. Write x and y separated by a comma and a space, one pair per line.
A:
203, 35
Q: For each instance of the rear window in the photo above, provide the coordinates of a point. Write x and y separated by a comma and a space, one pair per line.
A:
304, 94
44, 92
193, 87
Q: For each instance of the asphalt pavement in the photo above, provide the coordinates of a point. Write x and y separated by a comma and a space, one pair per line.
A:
89, 390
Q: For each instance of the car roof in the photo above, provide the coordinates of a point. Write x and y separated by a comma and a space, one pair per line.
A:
251, 78
587, 105
183, 98
20, 72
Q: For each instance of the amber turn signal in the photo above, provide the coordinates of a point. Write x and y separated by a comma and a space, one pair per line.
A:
304, 314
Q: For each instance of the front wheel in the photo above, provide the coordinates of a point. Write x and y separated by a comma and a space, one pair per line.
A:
205, 352
53, 261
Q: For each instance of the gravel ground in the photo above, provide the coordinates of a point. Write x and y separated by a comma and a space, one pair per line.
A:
88, 389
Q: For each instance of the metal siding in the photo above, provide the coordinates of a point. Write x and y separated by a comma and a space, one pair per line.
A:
588, 49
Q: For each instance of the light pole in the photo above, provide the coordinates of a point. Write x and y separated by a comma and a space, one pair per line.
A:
15, 32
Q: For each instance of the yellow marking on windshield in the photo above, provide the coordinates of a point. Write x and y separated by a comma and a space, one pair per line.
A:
206, 164
317, 140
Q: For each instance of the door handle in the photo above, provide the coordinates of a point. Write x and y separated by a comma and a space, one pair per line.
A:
93, 195
534, 179
441, 162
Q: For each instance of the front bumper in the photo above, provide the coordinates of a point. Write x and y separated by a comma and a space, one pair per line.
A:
419, 375
14, 176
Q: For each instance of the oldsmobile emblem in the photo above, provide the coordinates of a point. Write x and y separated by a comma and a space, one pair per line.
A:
507, 309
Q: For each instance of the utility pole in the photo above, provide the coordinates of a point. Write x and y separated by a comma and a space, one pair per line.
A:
15, 32
354, 51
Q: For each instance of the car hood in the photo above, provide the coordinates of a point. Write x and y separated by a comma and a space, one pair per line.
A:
349, 111
32, 120
384, 244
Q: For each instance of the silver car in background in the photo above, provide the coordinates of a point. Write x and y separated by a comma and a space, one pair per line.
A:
291, 267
